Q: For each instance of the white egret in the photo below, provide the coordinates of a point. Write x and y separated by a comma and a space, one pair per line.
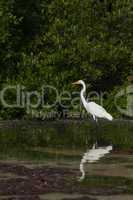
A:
94, 109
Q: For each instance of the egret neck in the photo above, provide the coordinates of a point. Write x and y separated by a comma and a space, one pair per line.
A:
82, 93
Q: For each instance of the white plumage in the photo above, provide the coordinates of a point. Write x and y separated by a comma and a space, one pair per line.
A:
97, 111
93, 155
94, 109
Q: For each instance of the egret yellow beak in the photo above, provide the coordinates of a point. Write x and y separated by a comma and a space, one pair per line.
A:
76, 83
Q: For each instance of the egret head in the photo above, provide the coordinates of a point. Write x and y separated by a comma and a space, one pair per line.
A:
79, 82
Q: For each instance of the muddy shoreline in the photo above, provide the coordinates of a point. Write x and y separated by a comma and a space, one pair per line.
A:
17, 181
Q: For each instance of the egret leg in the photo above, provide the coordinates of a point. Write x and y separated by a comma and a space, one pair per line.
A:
94, 136
94, 117
97, 131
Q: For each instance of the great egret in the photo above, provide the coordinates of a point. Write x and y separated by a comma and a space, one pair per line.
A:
94, 109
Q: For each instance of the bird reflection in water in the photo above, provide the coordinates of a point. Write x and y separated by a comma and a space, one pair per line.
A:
93, 155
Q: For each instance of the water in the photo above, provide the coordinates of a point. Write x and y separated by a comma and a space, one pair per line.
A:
99, 156
92, 155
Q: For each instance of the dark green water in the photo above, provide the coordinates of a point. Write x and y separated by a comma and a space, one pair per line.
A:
29, 139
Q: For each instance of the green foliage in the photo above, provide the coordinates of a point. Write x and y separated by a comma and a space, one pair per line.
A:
59, 41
